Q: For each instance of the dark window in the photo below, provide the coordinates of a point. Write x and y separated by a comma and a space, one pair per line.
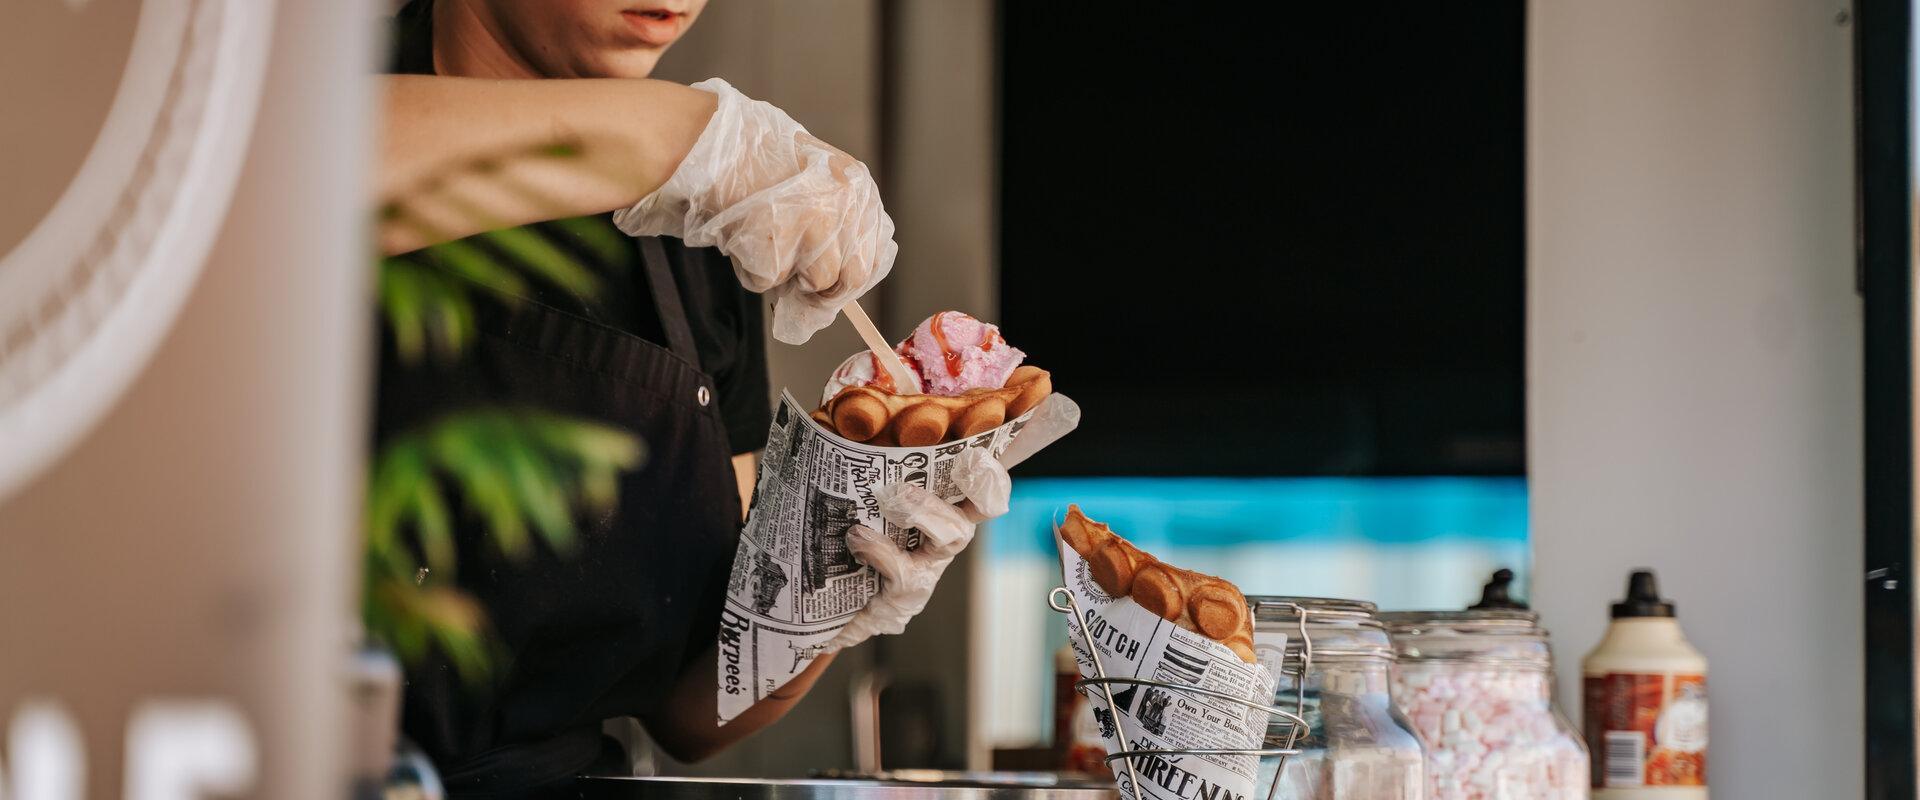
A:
1260, 243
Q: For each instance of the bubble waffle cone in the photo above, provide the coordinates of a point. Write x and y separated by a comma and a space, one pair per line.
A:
866, 414
1204, 604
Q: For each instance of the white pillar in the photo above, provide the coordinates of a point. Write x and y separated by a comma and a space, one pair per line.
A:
1693, 364
182, 581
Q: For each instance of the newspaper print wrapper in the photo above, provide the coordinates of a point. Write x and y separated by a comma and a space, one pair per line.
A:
794, 582
1136, 643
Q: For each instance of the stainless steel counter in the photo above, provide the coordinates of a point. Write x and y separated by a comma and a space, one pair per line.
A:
822, 789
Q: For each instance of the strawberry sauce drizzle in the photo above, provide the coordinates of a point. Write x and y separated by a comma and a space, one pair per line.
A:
882, 379
951, 355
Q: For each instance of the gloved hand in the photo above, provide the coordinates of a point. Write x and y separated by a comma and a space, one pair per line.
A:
907, 577
802, 221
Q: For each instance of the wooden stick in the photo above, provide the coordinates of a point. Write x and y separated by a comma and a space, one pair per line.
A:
883, 352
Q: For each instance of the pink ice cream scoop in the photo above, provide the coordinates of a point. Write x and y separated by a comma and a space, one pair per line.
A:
948, 354
863, 369
954, 353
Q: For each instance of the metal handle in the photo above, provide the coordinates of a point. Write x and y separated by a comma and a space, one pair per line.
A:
1061, 600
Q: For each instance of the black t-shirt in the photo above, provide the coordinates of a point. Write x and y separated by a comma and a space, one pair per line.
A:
728, 321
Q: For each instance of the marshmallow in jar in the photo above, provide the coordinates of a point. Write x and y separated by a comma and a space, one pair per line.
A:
1356, 746
1478, 686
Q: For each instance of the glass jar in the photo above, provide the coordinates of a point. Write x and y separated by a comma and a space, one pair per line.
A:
1478, 685
1358, 746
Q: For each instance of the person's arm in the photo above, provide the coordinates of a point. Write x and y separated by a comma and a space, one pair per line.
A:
745, 472
687, 726
461, 156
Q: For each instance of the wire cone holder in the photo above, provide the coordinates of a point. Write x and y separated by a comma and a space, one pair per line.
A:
1062, 601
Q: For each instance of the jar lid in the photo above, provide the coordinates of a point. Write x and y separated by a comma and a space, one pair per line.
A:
1489, 618
1283, 606
1339, 628
1498, 593
1487, 636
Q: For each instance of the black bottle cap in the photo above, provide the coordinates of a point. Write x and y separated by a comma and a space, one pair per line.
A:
1496, 595
1643, 598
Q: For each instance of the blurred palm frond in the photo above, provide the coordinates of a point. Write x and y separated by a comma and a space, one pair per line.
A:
413, 619
511, 467
422, 292
518, 471
599, 236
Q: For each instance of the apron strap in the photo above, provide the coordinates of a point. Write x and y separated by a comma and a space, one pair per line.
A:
666, 301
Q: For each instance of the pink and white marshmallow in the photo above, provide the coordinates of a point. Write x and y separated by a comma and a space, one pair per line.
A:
1491, 733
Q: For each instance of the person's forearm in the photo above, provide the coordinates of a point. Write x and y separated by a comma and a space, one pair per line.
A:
746, 470
687, 727
462, 155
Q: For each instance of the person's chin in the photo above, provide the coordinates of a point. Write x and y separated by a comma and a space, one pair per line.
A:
635, 62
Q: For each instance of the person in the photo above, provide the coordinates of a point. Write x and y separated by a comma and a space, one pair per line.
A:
728, 200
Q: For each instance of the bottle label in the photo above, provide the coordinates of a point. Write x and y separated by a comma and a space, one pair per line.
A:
1076, 732
1646, 729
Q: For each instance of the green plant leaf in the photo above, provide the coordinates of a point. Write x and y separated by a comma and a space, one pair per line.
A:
541, 258
539, 490
400, 299
459, 447
393, 562
591, 443
411, 619
559, 149
392, 618
435, 525
424, 306
453, 317
511, 468
455, 622
608, 244
461, 257
515, 469
398, 473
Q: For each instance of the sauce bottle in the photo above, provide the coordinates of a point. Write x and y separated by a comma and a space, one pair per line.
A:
1076, 734
1645, 703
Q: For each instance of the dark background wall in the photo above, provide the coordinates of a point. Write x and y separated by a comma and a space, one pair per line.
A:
1251, 245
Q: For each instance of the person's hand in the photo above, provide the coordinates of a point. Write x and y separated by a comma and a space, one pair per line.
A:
907, 577
802, 220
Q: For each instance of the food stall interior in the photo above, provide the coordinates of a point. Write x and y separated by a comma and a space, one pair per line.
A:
1286, 396
1595, 316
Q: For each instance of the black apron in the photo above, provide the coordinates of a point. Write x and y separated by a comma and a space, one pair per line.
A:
606, 630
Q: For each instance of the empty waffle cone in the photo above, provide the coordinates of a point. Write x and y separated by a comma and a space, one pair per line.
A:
1204, 604
866, 414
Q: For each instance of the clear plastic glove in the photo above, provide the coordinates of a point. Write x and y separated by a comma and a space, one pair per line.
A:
907, 577
802, 220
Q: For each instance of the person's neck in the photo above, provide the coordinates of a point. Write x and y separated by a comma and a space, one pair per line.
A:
468, 43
